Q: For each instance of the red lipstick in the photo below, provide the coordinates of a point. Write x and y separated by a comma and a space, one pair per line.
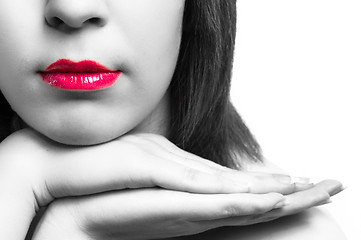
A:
84, 75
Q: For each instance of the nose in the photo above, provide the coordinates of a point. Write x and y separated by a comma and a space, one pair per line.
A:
75, 14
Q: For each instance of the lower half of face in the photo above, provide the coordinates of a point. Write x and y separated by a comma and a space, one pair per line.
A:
139, 40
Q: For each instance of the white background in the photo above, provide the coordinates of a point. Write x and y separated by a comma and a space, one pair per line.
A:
297, 84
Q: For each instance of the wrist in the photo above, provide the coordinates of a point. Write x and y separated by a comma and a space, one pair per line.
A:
20, 178
22, 170
17, 202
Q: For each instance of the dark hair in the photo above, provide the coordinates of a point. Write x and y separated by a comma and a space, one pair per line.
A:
6, 118
203, 120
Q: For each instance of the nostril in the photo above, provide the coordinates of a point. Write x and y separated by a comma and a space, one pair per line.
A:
59, 23
55, 21
75, 15
96, 21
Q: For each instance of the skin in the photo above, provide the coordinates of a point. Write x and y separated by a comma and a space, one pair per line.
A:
125, 35
73, 186
313, 224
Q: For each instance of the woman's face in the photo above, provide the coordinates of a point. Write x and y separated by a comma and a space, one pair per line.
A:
141, 38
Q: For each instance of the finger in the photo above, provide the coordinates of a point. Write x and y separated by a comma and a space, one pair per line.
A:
166, 205
297, 202
154, 213
257, 182
299, 183
333, 187
301, 186
315, 196
224, 206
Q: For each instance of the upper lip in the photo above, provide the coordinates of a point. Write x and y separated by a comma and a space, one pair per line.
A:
66, 65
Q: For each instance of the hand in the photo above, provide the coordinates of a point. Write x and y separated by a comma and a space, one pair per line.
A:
34, 171
295, 203
158, 213
133, 161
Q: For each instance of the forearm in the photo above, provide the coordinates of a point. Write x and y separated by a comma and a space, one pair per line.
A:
17, 200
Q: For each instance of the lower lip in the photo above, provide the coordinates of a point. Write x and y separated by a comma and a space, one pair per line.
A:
83, 81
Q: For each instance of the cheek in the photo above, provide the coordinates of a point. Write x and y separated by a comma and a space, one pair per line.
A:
154, 29
19, 37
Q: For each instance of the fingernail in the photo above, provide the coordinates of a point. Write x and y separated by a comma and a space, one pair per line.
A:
324, 202
338, 190
302, 180
304, 186
283, 178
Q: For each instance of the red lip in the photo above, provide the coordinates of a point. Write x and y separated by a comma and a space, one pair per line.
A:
85, 75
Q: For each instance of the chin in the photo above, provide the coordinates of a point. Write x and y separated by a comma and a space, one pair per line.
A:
76, 130
81, 137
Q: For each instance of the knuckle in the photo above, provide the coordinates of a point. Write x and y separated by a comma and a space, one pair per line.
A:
217, 174
191, 174
255, 184
220, 181
258, 179
234, 209
257, 207
231, 210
